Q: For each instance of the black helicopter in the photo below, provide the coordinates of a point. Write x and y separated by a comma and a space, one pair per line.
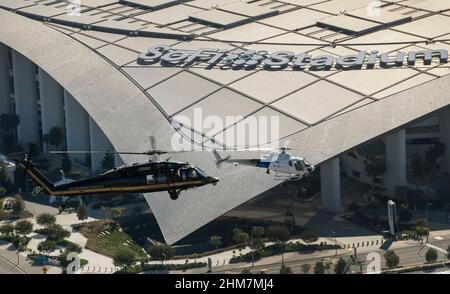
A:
144, 177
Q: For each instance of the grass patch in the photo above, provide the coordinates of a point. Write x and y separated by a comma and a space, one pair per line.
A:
110, 244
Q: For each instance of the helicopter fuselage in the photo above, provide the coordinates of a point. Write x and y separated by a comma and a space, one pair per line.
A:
136, 178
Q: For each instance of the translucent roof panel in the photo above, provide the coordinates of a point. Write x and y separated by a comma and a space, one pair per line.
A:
288, 42
348, 24
152, 4
141, 44
409, 83
224, 104
268, 86
219, 18
264, 119
340, 6
15, 4
181, 91
149, 76
247, 33
314, 103
41, 11
427, 27
303, 2
169, 15
384, 15
250, 10
296, 19
222, 76
430, 5
88, 41
383, 36
120, 56
372, 80
210, 4
353, 107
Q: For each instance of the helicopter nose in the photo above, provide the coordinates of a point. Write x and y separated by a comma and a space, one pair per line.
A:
213, 180
311, 168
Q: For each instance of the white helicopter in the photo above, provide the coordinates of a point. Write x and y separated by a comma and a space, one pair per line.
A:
280, 162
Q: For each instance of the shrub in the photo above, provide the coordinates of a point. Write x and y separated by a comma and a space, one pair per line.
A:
431, 255
47, 246
7, 229
284, 270
309, 236
46, 219
161, 252
392, 259
319, 268
23, 227
340, 266
124, 258
19, 204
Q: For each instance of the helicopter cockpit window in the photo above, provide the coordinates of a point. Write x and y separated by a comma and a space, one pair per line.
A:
183, 174
192, 174
290, 162
201, 172
299, 165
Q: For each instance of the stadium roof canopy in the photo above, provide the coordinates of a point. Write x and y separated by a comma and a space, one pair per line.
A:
328, 100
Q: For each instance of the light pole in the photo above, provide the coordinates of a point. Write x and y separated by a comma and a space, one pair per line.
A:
426, 210
335, 242
253, 247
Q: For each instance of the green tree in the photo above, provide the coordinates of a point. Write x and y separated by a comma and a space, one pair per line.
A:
161, 252
306, 268
215, 241
57, 232
82, 212
258, 232
340, 266
448, 252
240, 237
319, 268
278, 233
124, 258
23, 227
309, 236
5, 182
285, 270
6, 229
421, 227
66, 164
47, 246
46, 219
108, 161
56, 136
392, 259
19, 204
375, 168
431, 255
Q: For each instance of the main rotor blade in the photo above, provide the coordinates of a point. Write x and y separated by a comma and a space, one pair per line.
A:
150, 152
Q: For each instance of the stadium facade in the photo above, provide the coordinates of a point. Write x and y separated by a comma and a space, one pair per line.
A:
336, 74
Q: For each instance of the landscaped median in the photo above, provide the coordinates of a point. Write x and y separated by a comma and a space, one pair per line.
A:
417, 267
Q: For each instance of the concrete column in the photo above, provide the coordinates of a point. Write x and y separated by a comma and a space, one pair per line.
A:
77, 128
5, 95
52, 104
444, 133
25, 99
395, 161
330, 181
99, 142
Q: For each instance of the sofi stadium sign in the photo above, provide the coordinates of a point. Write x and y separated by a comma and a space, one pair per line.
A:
248, 59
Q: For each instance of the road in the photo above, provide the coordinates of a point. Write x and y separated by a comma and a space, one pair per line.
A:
8, 268
410, 253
